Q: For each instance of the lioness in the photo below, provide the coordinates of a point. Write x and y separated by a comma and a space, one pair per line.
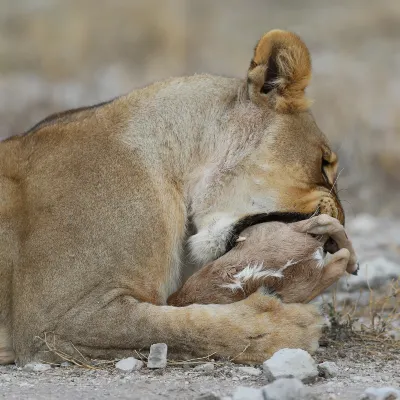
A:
96, 205
288, 260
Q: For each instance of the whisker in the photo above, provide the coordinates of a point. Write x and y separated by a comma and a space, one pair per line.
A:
336, 179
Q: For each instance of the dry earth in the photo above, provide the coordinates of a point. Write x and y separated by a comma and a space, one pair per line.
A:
358, 370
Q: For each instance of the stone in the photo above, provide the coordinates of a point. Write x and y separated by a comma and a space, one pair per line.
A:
291, 363
65, 364
247, 393
158, 356
208, 396
286, 389
383, 393
129, 364
36, 367
207, 367
250, 371
328, 369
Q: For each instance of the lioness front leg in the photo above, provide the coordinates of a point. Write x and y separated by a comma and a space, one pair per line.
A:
247, 331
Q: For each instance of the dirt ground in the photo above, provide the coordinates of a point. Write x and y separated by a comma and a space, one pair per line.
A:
358, 371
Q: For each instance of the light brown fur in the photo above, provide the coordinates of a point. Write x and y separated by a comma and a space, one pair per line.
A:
96, 206
285, 259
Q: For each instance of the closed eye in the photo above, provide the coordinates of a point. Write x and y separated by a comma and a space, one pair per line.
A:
325, 165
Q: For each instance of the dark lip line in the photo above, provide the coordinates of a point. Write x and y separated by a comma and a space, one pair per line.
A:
250, 220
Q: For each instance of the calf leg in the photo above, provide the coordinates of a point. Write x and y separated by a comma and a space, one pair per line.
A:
332, 271
330, 227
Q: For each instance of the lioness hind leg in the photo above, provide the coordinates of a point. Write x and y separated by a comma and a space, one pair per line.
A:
247, 331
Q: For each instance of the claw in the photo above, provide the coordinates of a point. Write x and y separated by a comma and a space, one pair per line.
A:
240, 239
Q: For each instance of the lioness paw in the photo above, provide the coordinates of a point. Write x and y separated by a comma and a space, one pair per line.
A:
269, 325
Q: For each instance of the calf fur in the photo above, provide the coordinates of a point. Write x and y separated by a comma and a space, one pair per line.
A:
288, 260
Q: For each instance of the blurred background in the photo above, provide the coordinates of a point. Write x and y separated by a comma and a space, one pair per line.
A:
59, 54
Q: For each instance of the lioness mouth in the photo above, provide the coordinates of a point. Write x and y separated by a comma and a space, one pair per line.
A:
250, 220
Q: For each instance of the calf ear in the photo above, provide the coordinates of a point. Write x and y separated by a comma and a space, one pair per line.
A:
279, 72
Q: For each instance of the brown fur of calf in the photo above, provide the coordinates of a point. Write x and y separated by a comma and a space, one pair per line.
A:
286, 262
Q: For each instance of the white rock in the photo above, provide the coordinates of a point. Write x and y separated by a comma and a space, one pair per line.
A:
129, 364
328, 369
36, 367
158, 356
208, 396
291, 363
384, 393
65, 364
248, 393
286, 389
207, 367
250, 371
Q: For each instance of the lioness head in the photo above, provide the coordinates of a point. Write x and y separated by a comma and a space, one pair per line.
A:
277, 160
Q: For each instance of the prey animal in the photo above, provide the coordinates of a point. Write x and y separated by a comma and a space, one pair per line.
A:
289, 260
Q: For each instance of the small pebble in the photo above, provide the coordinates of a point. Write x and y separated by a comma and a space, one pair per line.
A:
158, 356
383, 393
208, 396
250, 371
286, 389
207, 367
129, 364
65, 364
36, 367
247, 393
328, 369
293, 363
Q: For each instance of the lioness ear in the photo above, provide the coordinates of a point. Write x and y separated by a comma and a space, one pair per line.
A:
279, 72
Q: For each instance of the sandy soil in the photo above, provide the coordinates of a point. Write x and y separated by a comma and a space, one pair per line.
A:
358, 371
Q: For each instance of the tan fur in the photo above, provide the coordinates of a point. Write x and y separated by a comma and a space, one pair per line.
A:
285, 259
96, 206
293, 63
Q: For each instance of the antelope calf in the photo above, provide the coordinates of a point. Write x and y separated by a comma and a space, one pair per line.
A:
289, 260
